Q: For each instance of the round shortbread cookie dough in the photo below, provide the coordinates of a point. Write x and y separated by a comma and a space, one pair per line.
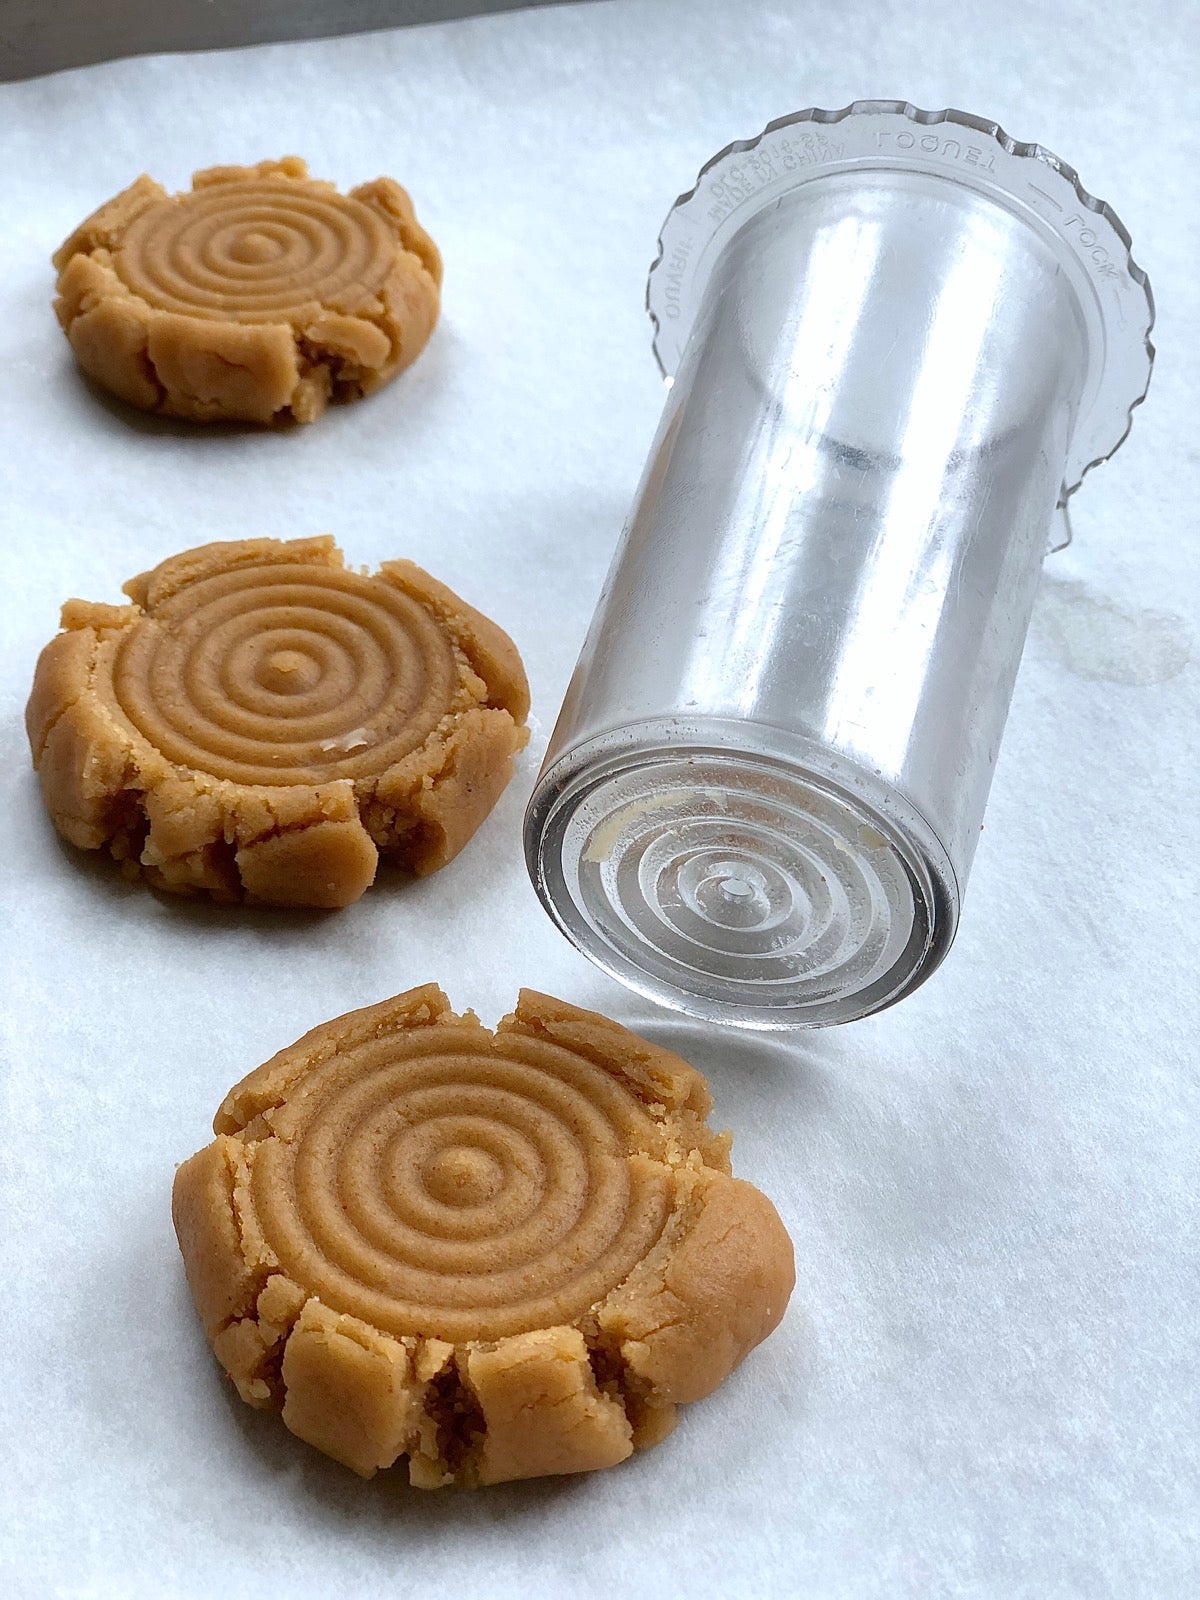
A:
502, 1255
263, 724
256, 297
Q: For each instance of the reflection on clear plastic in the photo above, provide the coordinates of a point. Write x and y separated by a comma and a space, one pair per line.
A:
762, 797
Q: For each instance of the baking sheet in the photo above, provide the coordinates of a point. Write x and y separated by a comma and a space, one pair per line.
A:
987, 1384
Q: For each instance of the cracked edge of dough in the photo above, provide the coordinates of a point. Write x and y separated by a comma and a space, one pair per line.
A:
188, 833
207, 369
564, 1399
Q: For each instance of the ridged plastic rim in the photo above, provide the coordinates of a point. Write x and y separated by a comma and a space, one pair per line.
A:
691, 239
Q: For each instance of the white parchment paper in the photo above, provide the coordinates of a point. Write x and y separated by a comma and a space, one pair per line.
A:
988, 1383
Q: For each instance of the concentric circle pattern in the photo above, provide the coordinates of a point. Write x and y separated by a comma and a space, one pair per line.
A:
255, 251
503, 1254
432, 1185
282, 674
260, 295
263, 724
738, 886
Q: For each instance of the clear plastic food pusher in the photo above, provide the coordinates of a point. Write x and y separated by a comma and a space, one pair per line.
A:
897, 339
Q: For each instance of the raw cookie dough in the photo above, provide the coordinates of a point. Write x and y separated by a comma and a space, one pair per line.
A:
501, 1255
258, 296
263, 724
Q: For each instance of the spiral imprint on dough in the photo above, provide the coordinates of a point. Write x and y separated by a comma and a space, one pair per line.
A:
461, 1191
286, 674
255, 250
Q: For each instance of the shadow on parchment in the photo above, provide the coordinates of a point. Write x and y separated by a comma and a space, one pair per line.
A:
105, 880
387, 1500
154, 423
408, 398
748, 1071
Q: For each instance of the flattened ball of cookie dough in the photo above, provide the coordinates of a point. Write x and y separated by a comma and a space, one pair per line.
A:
263, 724
258, 296
500, 1254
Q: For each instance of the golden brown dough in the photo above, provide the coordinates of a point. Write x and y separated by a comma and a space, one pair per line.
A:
501, 1255
258, 296
263, 724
